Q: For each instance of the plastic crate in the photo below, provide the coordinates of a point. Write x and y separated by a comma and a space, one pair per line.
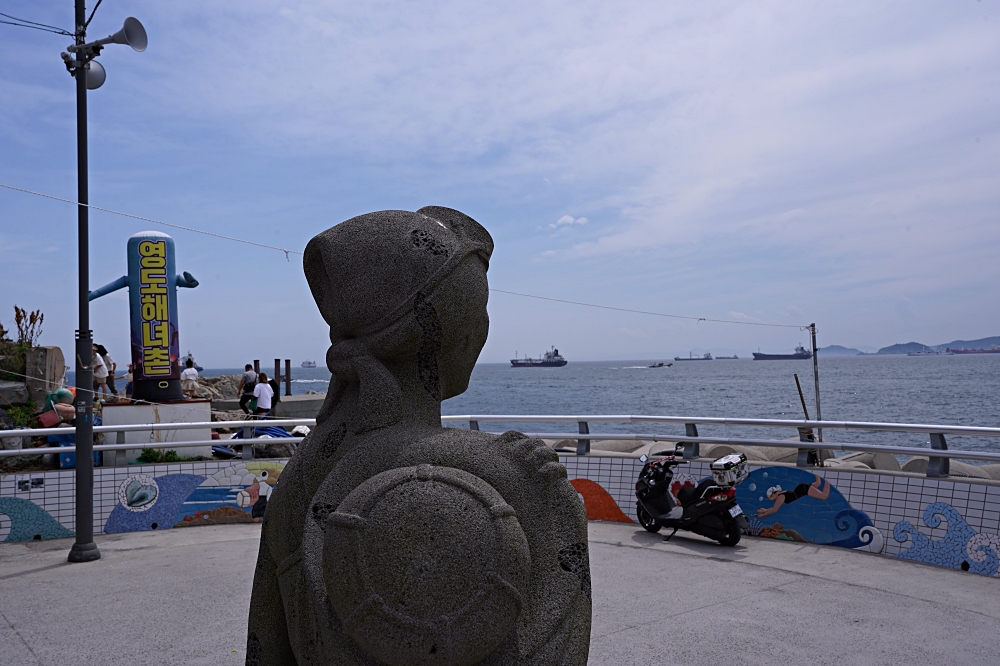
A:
68, 460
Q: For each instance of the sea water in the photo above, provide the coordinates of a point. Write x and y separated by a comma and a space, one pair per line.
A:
951, 390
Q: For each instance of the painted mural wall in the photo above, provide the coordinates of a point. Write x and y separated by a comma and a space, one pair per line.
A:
953, 524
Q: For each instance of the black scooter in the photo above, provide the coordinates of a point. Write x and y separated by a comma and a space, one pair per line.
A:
709, 509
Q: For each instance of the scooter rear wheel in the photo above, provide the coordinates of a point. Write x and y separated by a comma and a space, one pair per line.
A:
732, 535
647, 521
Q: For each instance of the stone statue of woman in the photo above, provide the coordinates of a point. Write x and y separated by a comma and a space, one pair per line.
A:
392, 540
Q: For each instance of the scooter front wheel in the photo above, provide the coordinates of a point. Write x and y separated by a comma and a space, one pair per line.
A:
732, 535
647, 521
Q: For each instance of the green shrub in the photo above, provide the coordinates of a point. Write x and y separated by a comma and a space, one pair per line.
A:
156, 456
21, 414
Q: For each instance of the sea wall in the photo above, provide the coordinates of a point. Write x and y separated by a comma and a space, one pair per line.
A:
953, 523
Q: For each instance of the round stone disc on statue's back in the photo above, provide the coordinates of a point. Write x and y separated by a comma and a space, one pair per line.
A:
426, 565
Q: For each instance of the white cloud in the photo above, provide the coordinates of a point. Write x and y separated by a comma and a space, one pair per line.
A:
770, 152
567, 220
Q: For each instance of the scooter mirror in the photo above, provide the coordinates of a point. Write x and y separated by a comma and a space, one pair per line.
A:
643, 458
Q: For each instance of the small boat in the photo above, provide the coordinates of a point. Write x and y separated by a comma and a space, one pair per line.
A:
661, 365
734, 357
801, 354
691, 357
551, 359
308, 364
195, 365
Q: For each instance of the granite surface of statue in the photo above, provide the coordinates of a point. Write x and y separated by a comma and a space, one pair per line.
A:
391, 540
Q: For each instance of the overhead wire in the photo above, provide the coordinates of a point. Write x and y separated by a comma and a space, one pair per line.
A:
93, 11
24, 23
646, 312
501, 291
152, 221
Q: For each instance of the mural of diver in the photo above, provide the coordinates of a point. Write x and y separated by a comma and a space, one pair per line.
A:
781, 497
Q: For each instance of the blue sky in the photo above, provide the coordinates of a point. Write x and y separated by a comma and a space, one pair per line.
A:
781, 162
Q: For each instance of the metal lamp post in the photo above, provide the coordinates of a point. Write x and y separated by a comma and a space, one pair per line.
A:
89, 74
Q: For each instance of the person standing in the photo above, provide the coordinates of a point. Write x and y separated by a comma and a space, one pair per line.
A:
247, 383
110, 364
128, 381
100, 373
263, 392
189, 379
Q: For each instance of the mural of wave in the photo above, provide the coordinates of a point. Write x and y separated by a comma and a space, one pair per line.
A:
961, 548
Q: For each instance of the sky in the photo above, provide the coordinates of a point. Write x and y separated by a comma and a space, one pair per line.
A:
768, 162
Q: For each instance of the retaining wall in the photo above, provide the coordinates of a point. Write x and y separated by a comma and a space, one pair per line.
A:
953, 523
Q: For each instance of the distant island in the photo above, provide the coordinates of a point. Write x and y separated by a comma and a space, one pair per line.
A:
906, 348
903, 348
837, 350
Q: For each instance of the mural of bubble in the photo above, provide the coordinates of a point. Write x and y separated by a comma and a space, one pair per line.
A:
138, 493
753, 487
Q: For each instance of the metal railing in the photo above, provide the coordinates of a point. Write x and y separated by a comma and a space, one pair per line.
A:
248, 426
938, 454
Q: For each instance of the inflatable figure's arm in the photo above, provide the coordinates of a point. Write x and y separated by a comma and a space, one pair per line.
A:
120, 283
186, 280
267, 634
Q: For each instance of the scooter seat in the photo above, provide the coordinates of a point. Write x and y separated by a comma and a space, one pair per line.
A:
687, 496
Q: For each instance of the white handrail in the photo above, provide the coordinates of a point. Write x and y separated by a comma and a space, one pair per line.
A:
162, 445
725, 421
146, 427
563, 418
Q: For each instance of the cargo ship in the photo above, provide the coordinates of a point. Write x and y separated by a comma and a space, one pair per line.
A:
994, 349
551, 359
801, 354
308, 364
734, 357
692, 357
194, 363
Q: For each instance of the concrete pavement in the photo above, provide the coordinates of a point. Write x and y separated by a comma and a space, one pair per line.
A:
180, 597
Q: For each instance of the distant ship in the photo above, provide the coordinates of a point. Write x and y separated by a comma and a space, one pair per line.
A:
551, 359
927, 352
801, 354
308, 364
734, 357
994, 349
195, 365
692, 357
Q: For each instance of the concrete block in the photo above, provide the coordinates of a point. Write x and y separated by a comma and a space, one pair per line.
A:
46, 369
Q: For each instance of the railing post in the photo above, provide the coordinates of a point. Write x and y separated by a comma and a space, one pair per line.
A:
938, 467
288, 376
807, 457
691, 449
247, 443
121, 455
473, 425
583, 445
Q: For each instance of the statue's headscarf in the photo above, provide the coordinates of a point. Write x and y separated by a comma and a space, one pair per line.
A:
372, 277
